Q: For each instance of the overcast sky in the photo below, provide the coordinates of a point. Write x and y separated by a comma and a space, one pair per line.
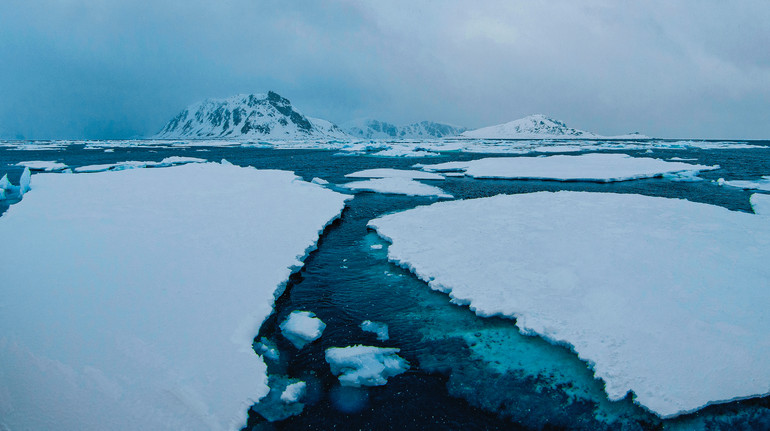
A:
122, 68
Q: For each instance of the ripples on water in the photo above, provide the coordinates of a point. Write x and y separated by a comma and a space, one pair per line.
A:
466, 372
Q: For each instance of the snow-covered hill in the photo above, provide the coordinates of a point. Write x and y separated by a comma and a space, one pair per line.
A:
532, 127
375, 129
257, 116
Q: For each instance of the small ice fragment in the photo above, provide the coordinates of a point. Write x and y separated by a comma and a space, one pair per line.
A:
26, 176
302, 327
293, 392
319, 181
267, 349
365, 365
5, 183
376, 246
380, 329
2, 194
721, 182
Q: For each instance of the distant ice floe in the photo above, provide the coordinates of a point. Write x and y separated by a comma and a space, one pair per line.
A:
398, 186
760, 204
763, 184
140, 310
365, 365
663, 297
45, 166
586, 167
377, 328
302, 328
319, 181
395, 173
168, 161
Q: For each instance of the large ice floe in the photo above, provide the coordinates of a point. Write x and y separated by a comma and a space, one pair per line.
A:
763, 184
586, 167
133, 164
397, 186
43, 165
131, 299
663, 297
365, 365
760, 204
395, 173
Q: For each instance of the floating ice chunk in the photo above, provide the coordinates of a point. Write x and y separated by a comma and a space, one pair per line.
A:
179, 160
131, 164
397, 186
41, 165
5, 183
686, 176
365, 365
24, 181
376, 246
379, 329
88, 339
760, 204
2, 194
302, 328
293, 392
586, 167
319, 181
268, 349
763, 184
395, 173
664, 297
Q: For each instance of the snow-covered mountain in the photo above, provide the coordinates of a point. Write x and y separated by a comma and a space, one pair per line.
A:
375, 129
248, 116
532, 127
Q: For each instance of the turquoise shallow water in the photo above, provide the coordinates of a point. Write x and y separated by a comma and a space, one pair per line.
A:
466, 371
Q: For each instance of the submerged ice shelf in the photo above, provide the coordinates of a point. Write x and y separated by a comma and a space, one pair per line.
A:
659, 295
131, 298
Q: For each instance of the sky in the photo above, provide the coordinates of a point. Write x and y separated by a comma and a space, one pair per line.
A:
114, 69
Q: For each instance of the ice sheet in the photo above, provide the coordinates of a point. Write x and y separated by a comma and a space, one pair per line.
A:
131, 298
664, 297
399, 186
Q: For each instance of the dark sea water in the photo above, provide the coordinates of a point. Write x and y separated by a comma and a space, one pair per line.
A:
466, 372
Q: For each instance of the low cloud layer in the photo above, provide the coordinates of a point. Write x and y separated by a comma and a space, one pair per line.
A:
122, 68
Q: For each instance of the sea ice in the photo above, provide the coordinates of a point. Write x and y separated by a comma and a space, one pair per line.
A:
41, 165
763, 184
760, 204
398, 186
168, 161
395, 173
24, 181
365, 365
586, 167
140, 310
302, 328
293, 392
319, 181
377, 328
5, 183
663, 297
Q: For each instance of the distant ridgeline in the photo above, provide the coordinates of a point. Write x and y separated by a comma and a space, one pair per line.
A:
375, 129
248, 116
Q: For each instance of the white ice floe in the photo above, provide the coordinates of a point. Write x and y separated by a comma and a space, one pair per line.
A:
760, 204
395, 173
365, 365
377, 328
293, 392
140, 291
398, 186
24, 182
664, 297
763, 184
5, 183
42, 165
585, 167
319, 181
132, 164
302, 327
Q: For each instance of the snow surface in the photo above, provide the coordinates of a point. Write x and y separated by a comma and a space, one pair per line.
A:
663, 297
585, 167
131, 298
760, 204
302, 328
763, 184
395, 173
377, 328
398, 186
42, 165
293, 392
365, 365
